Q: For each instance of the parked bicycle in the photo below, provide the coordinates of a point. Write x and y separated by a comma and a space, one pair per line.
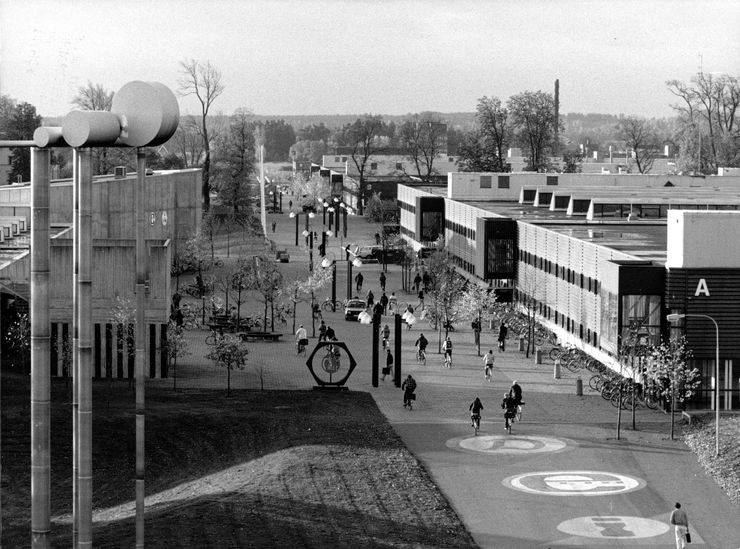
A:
329, 305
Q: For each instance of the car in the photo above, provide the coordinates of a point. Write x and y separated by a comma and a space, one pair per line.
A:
366, 254
353, 308
392, 255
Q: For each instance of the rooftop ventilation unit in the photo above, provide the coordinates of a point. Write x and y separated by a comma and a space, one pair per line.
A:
119, 172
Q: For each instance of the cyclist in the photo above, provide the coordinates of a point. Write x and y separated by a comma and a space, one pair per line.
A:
392, 302
408, 386
447, 348
515, 392
509, 407
475, 409
488, 365
301, 338
422, 343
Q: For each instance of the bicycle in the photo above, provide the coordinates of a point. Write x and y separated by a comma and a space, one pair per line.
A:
448, 360
421, 357
475, 420
328, 305
300, 347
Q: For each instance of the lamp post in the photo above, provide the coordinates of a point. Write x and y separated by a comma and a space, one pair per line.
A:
675, 317
326, 263
296, 215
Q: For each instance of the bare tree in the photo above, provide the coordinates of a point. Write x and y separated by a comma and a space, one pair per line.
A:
311, 190
187, 142
204, 81
365, 137
234, 160
639, 135
533, 116
424, 138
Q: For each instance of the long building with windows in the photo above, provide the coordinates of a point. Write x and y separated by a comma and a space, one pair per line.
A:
600, 256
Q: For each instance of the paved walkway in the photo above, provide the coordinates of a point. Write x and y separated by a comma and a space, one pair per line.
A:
475, 480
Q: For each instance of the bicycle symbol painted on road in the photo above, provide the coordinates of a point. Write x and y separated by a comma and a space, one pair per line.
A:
510, 444
613, 527
573, 483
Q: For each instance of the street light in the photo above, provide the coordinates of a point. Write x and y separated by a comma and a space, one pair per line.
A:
675, 317
326, 263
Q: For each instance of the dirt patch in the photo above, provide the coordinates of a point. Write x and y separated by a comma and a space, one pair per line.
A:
259, 469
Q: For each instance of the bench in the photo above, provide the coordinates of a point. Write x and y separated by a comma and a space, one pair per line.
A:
265, 336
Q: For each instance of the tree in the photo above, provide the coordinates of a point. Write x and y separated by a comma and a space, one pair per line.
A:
310, 190
484, 147
668, 369
533, 117
314, 132
365, 137
21, 125
639, 135
19, 338
531, 295
308, 151
229, 352
123, 317
263, 275
279, 136
708, 116
176, 346
424, 138
204, 81
187, 142
475, 303
93, 97
234, 161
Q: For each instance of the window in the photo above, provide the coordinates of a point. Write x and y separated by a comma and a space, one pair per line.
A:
485, 181
399, 165
552, 179
336, 159
344, 159
373, 165
503, 181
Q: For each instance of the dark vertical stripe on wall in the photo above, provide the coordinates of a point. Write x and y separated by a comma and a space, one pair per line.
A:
152, 351
164, 364
119, 350
108, 350
66, 357
96, 350
131, 351
54, 353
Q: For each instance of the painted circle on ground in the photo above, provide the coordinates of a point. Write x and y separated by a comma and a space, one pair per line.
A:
511, 444
613, 527
573, 483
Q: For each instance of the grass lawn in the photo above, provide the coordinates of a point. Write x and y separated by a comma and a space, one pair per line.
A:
701, 438
259, 469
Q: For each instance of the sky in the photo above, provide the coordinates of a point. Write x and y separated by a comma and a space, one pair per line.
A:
291, 57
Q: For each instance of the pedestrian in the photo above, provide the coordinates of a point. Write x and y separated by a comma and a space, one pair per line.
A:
330, 335
377, 311
358, 281
322, 250
322, 331
427, 281
290, 204
680, 520
370, 298
502, 332
386, 332
388, 363
377, 238
476, 331
417, 282
421, 298
382, 282
384, 302
274, 224
488, 365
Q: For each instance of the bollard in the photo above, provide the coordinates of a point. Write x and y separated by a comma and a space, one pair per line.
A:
579, 387
538, 356
556, 369
521, 343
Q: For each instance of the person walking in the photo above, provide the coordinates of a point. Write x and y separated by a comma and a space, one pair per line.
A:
330, 335
384, 303
370, 298
386, 332
358, 281
421, 299
502, 333
322, 331
392, 302
447, 349
488, 365
680, 521
417, 282
427, 281
274, 224
408, 387
290, 204
476, 331
377, 238
388, 364
382, 282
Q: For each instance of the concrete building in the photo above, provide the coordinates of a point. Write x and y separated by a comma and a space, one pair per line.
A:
174, 214
599, 254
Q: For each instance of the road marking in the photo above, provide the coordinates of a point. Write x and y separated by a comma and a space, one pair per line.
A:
573, 483
510, 444
613, 527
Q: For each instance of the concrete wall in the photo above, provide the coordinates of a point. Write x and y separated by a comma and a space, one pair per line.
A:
706, 239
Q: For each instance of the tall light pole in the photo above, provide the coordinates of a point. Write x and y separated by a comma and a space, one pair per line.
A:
326, 263
675, 317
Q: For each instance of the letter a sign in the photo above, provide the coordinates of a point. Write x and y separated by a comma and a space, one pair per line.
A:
702, 288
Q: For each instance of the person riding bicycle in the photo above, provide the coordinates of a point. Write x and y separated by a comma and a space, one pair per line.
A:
422, 343
488, 364
301, 338
502, 333
515, 392
322, 331
475, 409
509, 406
408, 387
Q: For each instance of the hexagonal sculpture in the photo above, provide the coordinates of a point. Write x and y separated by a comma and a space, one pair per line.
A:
331, 364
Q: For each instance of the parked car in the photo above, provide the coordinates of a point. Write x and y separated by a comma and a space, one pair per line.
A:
392, 255
353, 308
365, 253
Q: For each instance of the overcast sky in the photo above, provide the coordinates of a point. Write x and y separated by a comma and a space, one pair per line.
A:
354, 56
